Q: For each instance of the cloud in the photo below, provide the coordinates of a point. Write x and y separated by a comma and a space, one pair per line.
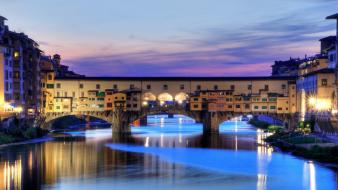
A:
218, 51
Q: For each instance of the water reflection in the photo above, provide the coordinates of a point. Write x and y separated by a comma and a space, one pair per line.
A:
174, 156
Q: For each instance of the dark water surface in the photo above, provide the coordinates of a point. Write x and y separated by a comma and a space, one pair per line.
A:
166, 154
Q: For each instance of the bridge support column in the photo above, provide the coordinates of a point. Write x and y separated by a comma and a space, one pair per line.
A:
121, 121
211, 122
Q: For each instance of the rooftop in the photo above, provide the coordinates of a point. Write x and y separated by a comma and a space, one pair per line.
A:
178, 78
335, 16
2, 18
322, 71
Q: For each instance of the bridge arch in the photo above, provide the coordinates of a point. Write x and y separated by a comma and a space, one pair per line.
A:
148, 96
47, 119
181, 97
165, 97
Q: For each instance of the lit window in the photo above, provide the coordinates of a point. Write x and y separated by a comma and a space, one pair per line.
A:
198, 87
16, 54
324, 82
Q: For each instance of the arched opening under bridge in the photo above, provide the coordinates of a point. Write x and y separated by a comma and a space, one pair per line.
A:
181, 98
76, 122
165, 99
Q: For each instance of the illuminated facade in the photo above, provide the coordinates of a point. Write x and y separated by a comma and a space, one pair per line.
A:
240, 94
281, 101
20, 71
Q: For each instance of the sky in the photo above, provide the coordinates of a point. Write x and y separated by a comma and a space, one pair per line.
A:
173, 37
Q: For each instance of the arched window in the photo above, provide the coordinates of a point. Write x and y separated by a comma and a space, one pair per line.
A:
181, 97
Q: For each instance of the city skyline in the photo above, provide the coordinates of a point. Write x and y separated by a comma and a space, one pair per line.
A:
173, 39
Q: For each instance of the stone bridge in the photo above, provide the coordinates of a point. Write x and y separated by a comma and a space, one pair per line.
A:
121, 120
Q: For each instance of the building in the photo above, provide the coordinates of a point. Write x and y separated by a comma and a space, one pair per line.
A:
19, 60
327, 43
212, 93
47, 75
335, 104
282, 101
62, 70
286, 68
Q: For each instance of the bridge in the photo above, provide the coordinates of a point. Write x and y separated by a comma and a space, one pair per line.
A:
121, 120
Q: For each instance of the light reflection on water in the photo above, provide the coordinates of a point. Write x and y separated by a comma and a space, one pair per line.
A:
169, 153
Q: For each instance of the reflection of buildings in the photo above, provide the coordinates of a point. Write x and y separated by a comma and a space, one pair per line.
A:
10, 175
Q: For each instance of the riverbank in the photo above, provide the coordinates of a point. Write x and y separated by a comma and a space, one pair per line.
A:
19, 130
307, 146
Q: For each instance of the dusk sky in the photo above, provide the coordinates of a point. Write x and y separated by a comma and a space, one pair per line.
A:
173, 37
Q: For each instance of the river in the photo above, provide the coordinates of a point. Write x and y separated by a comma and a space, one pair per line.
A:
169, 153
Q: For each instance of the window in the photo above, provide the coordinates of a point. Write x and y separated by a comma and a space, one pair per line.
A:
215, 87
198, 87
249, 87
98, 86
58, 94
230, 106
135, 105
50, 77
6, 77
50, 86
264, 99
195, 99
115, 86
73, 95
266, 87
256, 107
65, 94
264, 107
283, 86
324, 82
272, 107
82, 94
165, 87
195, 105
238, 106
247, 106
57, 107
109, 105
7, 86
132, 86
232, 87
148, 87
272, 99
58, 85
182, 87
16, 54
81, 86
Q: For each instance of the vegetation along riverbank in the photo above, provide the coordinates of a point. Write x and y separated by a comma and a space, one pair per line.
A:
301, 142
18, 130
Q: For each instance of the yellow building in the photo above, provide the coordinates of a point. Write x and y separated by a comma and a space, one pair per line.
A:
47, 76
218, 94
115, 101
316, 91
313, 64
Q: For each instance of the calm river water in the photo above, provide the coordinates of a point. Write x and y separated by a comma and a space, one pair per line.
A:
167, 154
